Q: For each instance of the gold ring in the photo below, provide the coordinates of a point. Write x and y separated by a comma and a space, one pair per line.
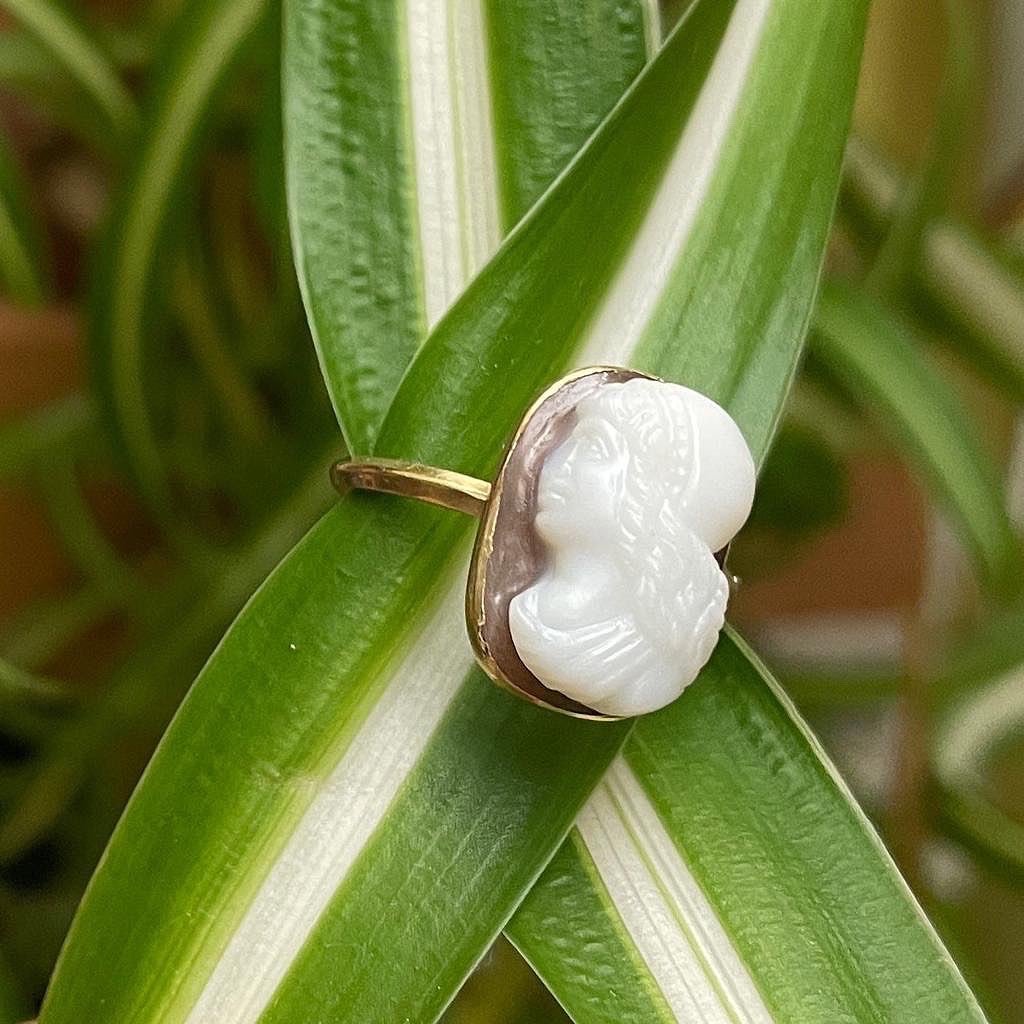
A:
594, 589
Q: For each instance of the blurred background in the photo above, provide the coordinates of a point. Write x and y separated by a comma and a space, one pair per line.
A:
852, 580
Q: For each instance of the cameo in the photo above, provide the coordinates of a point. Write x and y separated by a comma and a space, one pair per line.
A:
612, 507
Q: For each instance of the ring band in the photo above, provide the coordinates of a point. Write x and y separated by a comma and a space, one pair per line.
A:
442, 487
593, 588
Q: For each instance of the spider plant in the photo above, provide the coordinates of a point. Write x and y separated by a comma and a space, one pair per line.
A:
453, 203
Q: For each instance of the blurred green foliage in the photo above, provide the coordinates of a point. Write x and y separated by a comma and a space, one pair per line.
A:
207, 419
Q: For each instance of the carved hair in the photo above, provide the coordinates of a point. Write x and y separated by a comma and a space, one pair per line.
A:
655, 429
654, 432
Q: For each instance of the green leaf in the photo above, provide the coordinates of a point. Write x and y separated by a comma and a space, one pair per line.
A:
556, 69
27, 70
81, 535
21, 265
874, 355
13, 1004
968, 278
820, 690
970, 735
397, 195
569, 931
802, 487
993, 649
243, 413
17, 685
57, 427
77, 51
144, 688
44, 629
926, 196
344, 804
735, 879
33, 706
663, 905
208, 37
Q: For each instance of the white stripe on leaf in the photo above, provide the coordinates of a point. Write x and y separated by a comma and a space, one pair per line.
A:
650, 11
673, 926
633, 298
474, 125
348, 806
453, 146
977, 726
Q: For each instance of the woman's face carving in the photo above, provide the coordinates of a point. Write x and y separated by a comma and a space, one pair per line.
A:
581, 482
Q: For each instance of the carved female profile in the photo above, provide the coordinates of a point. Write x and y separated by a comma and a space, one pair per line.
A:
652, 480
